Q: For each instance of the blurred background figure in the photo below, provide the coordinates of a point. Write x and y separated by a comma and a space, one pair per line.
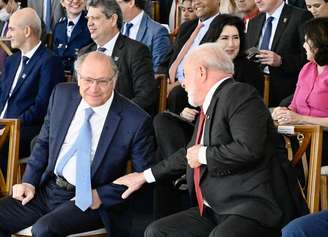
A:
247, 10
187, 11
318, 8
228, 7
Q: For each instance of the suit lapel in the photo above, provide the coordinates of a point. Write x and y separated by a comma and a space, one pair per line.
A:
65, 121
142, 28
258, 25
12, 72
29, 67
111, 124
282, 23
78, 28
119, 44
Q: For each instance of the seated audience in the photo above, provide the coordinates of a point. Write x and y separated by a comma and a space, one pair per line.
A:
139, 26
136, 78
67, 185
248, 9
71, 33
318, 8
29, 76
309, 104
313, 225
228, 161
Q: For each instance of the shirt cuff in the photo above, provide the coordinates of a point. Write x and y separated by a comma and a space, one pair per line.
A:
202, 155
149, 176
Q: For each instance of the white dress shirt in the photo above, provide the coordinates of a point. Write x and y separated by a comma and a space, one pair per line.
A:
97, 122
109, 46
136, 24
196, 43
202, 152
69, 29
18, 72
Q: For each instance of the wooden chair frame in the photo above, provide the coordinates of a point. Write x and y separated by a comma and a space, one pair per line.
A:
162, 80
312, 136
12, 130
155, 10
266, 91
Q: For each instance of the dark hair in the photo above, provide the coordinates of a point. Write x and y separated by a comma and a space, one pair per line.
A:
316, 30
220, 22
141, 4
109, 7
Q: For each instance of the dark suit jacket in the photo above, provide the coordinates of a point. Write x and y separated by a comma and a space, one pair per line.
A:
30, 97
239, 138
184, 34
127, 134
68, 49
156, 37
288, 43
136, 78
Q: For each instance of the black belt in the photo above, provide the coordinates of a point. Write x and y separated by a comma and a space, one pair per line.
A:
62, 183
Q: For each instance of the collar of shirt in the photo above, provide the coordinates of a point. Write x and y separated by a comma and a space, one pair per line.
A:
136, 24
101, 110
30, 53
75, 20
276, 14
210, 93
109, 45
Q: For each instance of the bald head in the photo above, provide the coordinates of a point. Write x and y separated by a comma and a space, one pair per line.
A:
27, 17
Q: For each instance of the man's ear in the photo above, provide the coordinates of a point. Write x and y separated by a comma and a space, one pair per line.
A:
203, 72
114, 20
27, 31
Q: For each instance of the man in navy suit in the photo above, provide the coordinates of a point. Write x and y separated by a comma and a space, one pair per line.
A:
139, 26
29, 76
120, 131
71, 33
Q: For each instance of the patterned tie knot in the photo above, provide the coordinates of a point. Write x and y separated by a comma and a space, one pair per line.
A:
270, 19
128, 26
101, 49
88, 112
25, 59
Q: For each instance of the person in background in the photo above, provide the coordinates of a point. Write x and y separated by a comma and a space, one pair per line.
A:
187, 11
318, 8
228, 7
248, 9
71, 33
29, 76
140, 27
309, 101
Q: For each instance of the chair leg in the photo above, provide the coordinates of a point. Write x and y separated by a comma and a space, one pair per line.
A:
323, 192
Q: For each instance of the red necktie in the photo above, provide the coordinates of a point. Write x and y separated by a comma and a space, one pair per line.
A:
174, 66
199, 195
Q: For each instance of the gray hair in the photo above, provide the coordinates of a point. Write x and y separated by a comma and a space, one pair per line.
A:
109, 7
212, 56
79, 61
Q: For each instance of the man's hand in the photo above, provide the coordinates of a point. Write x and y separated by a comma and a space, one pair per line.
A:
189, 114
23, 192
133, 181
96, 202
270, 58
192, 156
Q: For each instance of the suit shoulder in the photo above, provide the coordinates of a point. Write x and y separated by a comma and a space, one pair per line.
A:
88, 48
66, 88
238, 90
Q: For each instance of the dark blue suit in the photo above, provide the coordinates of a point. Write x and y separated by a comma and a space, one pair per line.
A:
66, 48
156, 37
127, 134
30, 97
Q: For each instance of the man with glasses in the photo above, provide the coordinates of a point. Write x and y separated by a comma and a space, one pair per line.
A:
89, 134
136, 78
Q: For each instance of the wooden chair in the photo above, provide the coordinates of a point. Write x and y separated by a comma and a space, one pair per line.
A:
95, 233
162, 79
309, 136
266, 91
5, 48
155, 10
10, 130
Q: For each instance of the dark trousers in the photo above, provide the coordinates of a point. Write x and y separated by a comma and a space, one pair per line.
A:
189, 223
50, 213
177, 100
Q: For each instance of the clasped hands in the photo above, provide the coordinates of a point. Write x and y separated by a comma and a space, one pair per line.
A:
285, 116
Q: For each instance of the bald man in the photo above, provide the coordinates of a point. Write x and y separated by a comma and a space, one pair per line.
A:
29, 76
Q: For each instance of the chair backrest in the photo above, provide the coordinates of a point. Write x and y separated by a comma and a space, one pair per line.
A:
155, 10
5, 48
10, 129
162, 80
266, 90
309, 137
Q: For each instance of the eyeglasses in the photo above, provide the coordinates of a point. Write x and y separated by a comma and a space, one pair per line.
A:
102, 82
